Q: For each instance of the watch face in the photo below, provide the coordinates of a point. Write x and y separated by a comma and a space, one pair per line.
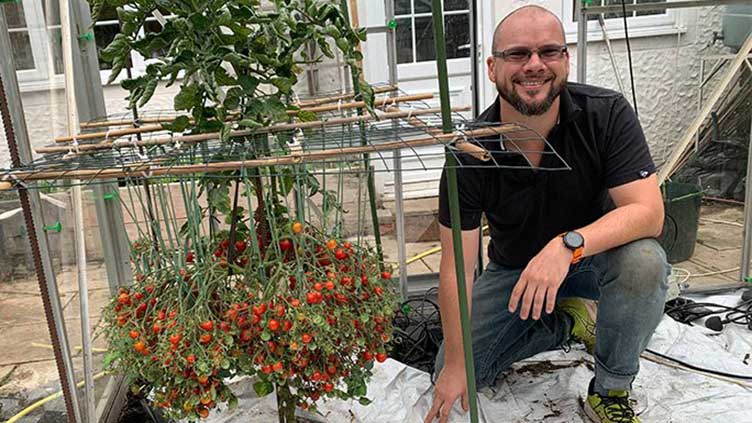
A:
573, 240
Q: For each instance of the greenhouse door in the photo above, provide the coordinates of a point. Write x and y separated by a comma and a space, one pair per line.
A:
417, 74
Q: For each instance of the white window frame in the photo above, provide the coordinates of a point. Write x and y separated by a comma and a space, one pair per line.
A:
413, 15
42, 77
638, 26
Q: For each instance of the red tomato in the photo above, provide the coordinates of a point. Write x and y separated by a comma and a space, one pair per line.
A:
331, 244
191, 359
340, 254
306, 338
205, 338
273, 324
386, 275
133, 334
190, 257
297, 227
206, 325
285, 245
381, 357
328, 386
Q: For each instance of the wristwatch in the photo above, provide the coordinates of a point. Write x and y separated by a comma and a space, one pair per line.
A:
575, 242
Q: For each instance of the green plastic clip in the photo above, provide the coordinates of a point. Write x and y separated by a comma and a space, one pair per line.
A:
392, 24
88, 36
10, 1
588, 2
407, 308
109, 196
57, 227
748, 279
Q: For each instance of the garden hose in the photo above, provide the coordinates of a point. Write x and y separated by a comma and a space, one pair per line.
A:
43, 401
431, 251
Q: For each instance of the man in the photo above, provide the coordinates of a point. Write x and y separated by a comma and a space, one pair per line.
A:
586, 232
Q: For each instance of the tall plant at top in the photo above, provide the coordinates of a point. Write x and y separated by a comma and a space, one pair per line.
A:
265, 293
232, 56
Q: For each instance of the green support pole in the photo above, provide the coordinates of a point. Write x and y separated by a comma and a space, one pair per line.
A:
366, 161
454, 207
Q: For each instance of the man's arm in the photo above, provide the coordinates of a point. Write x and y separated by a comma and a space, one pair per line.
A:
452, 383
638, 214
448, 296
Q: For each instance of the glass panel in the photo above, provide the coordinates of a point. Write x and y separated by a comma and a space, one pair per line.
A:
652, 11
104, 34
424, 45
51, 11
14, 15
401, 7
56, 45
575, 16
108, 13
457, 35
404, 40
422, 6
456, 5
21, 46
618, 14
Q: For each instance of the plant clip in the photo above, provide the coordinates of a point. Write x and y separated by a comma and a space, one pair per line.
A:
748, 279
392, 24
88, 36
57, 227
10, 1
109, 195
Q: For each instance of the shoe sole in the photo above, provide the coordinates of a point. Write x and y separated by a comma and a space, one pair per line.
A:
590, 413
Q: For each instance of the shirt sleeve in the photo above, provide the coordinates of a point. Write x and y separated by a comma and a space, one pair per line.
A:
627, 156
468, 190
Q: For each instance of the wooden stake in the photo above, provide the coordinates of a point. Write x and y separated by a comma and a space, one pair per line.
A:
192, 139
114, 134
147, 169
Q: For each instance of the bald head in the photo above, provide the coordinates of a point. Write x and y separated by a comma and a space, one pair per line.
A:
522, 17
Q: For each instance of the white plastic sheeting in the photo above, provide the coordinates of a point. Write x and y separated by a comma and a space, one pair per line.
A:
550, 386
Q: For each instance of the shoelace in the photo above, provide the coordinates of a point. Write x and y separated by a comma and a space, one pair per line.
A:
617, 408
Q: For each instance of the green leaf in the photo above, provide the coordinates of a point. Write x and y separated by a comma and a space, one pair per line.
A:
249, 123
263, 388
177, 125
224, 134
187, 98
364, 401
200, 22
223, 78
232, 402
307, 116
149, 88
110, 357
283, 84
248, 83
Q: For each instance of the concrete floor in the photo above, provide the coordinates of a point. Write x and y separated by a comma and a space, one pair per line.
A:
27, 366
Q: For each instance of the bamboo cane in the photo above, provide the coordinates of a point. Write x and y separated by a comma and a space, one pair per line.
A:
117, 133
192, 139
302, 104
147, 169
464, 146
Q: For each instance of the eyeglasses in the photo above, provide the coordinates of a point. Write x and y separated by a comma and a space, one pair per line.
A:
523, 54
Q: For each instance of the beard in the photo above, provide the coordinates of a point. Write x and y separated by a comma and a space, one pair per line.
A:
531, 109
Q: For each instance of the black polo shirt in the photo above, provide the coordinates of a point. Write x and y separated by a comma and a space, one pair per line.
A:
598, 136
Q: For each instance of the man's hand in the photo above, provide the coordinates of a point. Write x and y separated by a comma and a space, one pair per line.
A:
451, 384
540, 280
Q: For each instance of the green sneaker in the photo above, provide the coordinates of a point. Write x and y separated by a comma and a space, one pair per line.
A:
583, 314
614, 408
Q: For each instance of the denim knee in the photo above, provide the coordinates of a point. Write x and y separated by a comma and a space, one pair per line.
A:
642, 268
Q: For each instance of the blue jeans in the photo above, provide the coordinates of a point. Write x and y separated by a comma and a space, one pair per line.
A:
630, 284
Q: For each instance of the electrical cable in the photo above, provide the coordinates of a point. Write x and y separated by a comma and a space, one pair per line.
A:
629, 56
698, 368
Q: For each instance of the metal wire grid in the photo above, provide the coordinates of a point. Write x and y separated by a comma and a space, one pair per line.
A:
136, 156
